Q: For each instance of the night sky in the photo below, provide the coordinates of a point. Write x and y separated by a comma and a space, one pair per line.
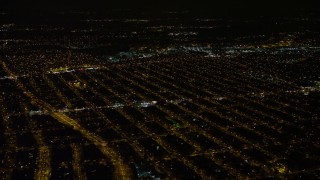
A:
222, 7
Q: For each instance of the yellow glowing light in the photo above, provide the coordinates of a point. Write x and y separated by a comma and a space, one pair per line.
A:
281, 168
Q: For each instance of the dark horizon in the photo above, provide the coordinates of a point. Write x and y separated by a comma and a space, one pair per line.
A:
216, 8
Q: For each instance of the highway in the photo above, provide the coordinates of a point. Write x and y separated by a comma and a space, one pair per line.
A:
122, 170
